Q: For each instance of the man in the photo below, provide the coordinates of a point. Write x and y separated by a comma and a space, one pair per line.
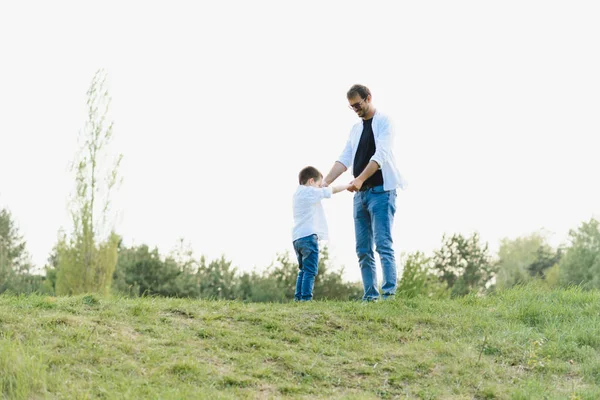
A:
376, 177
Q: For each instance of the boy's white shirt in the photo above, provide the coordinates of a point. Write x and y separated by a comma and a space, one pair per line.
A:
309, 216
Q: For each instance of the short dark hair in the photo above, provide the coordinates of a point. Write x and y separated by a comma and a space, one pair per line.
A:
307, 173
360, 90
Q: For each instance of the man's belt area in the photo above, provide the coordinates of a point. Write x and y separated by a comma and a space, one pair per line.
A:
366, 186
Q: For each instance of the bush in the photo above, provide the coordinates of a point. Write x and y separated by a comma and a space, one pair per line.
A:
418, 278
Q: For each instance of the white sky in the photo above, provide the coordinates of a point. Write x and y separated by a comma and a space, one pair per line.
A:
218, 105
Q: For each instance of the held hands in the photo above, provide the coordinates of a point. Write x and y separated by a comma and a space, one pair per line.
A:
355, 185
336, 188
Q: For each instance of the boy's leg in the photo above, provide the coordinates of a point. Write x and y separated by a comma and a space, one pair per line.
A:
364, 246
298, 292
299, 279
310, 265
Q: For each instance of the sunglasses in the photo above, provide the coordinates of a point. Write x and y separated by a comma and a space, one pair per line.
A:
356, 106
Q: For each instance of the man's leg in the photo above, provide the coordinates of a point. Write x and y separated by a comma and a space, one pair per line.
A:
364, 246
383, 208
310, 265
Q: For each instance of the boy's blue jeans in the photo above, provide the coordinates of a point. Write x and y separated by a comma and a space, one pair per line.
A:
307, 251
374, 211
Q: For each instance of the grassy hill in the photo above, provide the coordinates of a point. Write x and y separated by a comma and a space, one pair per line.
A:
527, 343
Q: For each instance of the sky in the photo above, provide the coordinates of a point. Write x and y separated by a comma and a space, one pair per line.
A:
218, 105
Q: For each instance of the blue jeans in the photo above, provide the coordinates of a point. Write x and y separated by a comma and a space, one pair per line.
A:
374, 211
307, 251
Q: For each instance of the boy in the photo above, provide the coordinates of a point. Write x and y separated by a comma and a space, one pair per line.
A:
310, 226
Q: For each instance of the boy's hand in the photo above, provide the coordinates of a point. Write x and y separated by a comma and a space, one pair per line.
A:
324, 183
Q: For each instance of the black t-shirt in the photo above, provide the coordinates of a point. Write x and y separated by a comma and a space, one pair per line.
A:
366, 149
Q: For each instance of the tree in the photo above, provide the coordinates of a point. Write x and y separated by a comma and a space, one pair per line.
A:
87, 258
217, 279
514, 258
463, 264
581, 263
141, 272
261, 287
546, 258
523, 259
50, 269
14, 259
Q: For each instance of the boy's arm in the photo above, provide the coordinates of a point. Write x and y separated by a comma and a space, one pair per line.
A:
315, 195
338, 188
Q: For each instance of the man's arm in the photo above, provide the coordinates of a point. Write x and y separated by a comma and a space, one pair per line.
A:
384, 141
369, 170
337, 169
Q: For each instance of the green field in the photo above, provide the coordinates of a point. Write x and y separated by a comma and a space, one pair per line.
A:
525, 343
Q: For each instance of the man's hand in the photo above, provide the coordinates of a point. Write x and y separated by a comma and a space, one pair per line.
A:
355, 185
324, 184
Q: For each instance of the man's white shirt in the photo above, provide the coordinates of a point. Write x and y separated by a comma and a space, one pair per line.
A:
309, 216
383, 133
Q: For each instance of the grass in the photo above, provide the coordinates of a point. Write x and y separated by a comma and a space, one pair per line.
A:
525, 343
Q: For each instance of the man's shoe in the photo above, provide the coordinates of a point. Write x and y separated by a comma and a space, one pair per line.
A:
370, 300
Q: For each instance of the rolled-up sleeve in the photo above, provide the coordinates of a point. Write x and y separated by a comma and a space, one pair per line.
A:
384, 141
346, 156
